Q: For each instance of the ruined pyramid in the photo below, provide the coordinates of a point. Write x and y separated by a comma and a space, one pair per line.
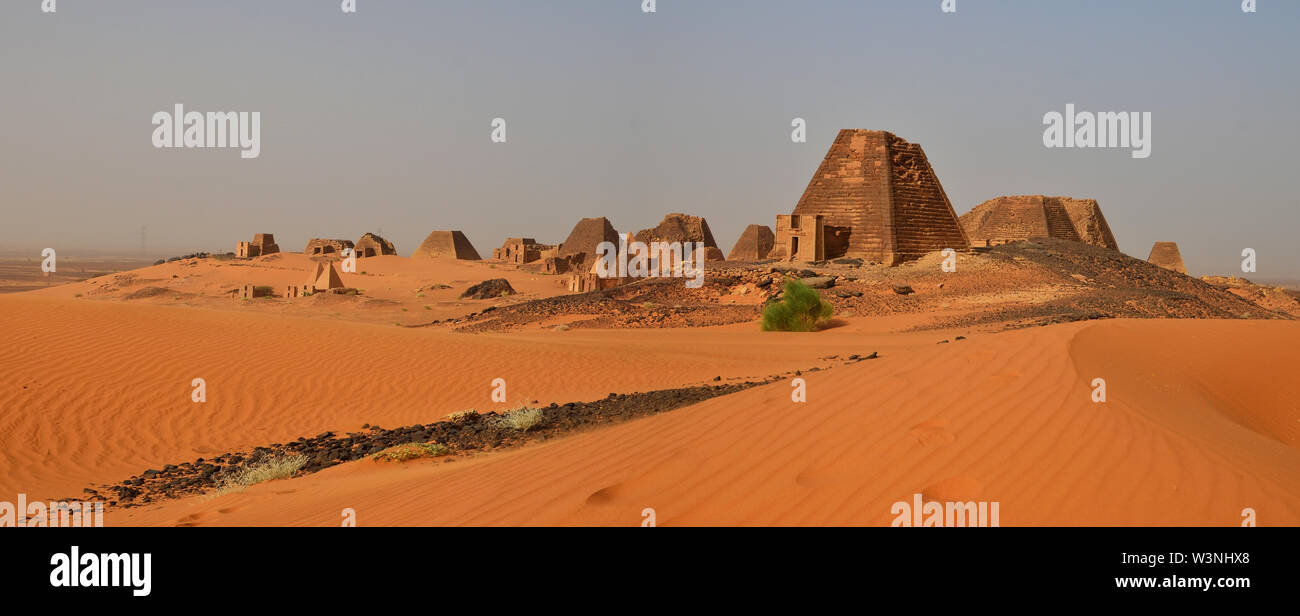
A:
683, 228
1012, 219
1166, 255
1089, 222
586, 235
880, 199
446, 244
371, 245
754, 244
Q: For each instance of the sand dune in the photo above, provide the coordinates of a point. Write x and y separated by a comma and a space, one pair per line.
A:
1005, 417
98, 391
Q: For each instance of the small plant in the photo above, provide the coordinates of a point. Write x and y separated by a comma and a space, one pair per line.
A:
522, 419
411, 451
268, 469
801, 309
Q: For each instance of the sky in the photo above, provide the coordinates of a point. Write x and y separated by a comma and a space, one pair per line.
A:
381, 120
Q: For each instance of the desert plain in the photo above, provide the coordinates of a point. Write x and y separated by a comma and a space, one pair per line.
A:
974, 385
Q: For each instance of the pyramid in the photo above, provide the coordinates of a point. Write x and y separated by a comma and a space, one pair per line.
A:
754, 244
1089, 223
446, 244
683, 228
586, 235
325, 278
1166, 255
880, 200
1012, 219
371, 245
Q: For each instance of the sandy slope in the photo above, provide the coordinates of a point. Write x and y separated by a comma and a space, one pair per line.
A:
1199, 424
98, 391
1201, 420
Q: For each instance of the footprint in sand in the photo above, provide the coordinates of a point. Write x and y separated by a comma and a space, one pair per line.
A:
603, 496
191, 520
933, 433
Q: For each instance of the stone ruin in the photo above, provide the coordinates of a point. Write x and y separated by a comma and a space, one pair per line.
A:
802, 237
325, 279
878, 199
584, 282
446, 244
1089, 222
754, 244
1012, 219
523, 250
1024, 217
683, 228
318, 246
578, 251
371, 245
262, 244
1166, 255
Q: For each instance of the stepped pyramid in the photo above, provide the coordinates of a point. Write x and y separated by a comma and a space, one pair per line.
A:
452, 244
880, 200
1012, 219
1166, 255
1088, 221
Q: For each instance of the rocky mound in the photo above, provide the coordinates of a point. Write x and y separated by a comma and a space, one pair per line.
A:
489, 289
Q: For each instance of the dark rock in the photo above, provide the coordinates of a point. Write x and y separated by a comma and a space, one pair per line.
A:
489, 289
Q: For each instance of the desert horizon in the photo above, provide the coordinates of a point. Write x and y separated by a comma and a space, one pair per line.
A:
593, 264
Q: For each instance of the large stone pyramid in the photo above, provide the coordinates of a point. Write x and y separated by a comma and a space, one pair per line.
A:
683, 228
1012, 219
1166, 255
586, 235
446, 244
754, 244
1089, 223
880, 199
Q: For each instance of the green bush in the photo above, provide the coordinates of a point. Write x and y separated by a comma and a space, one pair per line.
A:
801, 309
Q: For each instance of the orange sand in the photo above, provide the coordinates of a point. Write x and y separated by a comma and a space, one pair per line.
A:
1202, 418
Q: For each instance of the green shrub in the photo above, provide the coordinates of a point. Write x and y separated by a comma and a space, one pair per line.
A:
801, 309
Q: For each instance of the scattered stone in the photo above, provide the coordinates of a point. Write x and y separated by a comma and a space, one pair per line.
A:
903, 290
489, 289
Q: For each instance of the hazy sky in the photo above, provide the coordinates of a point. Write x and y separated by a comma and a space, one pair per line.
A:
381, 119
